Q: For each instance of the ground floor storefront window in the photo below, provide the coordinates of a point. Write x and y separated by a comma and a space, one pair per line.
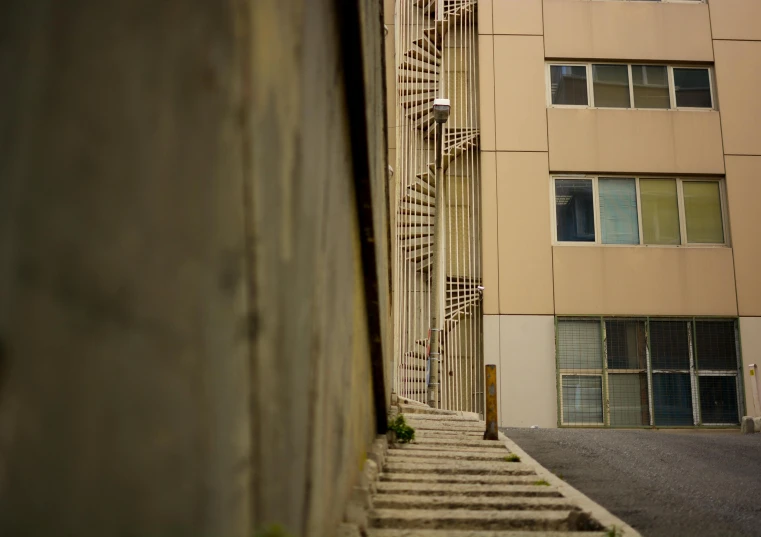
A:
642, 372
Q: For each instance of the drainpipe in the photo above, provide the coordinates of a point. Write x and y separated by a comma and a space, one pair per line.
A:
440, 115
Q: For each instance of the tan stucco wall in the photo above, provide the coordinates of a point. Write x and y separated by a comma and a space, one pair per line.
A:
521, 17
644, 281
489, 232
641, 141
750, 336
738, 77
525, 256
743, 194
486, 103
528, 386
627, 30
519, 93
735, 19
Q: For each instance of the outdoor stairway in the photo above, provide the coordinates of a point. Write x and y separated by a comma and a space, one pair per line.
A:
451, 482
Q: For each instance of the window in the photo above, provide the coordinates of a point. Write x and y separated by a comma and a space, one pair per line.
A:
618, 211
650, 86
639, 211
574, 208
660, 211
568, 84
702, 211
692, 88
623, 372
611, 86
620, 85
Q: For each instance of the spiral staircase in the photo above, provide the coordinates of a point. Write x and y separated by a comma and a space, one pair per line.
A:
419, 75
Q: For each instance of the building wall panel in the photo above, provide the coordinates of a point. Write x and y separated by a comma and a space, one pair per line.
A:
521, 123
627, 30
635, 141
738, 77
643, 281
743, 194
528, 386
525, 255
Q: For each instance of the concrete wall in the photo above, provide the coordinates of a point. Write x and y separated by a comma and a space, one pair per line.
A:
737, 48
193, 260
750, 334
524, 142
527, 344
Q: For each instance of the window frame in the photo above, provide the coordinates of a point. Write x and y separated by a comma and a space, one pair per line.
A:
672, 88
694, 371
548, 83
590, 85
683, 241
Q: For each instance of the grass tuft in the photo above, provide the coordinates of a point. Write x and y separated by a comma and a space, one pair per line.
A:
512, 458
542, 483
404, 433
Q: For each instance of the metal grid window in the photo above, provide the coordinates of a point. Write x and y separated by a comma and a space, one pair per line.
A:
642, 372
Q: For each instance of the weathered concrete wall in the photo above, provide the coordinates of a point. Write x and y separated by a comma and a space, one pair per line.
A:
193, 265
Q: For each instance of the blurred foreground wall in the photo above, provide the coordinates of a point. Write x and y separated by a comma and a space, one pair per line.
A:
194, 288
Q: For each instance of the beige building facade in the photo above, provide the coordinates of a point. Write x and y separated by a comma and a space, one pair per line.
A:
620, 153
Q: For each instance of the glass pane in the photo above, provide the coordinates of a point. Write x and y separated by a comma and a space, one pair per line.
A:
629, 404
618, 211
660, 212
625, 344
611, 86
718, 399
715, 345
568, 84
575, 210
582, 399
579, 345
692, 88
669, 345
672, 399
651, 86
702, 212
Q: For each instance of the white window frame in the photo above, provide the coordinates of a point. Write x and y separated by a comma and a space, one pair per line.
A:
590, 85
683, 241
583, 373
672, 88
548, 76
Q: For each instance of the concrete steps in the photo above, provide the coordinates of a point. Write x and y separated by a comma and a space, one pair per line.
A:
462, 479
451, 483
514, 503
477, 533
463, 519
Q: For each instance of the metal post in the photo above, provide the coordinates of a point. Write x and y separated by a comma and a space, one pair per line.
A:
491, 433
438, 274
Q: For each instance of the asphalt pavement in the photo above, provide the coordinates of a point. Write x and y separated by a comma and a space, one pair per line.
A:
664, 483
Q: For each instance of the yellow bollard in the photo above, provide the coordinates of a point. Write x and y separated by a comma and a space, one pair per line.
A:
491, 403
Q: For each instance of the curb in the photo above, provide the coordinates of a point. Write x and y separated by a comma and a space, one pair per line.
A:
750, 424
597, 511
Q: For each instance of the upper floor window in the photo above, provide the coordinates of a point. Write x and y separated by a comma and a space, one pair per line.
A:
639, 210
613, 85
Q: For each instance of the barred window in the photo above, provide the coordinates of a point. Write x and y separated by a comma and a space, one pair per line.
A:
620, 372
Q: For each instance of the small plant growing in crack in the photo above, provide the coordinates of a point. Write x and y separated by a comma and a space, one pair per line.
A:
614, 532
542, 483
273, 531
512, 458
404, 433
